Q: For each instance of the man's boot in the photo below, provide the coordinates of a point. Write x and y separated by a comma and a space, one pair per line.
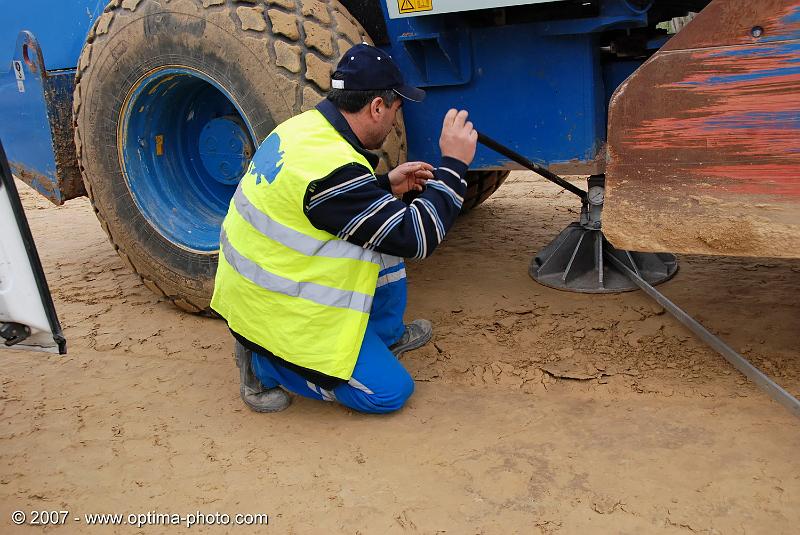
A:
417, 334
253, 393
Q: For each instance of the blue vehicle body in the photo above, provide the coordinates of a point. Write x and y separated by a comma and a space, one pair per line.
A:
45, 39
174, 96
538, 86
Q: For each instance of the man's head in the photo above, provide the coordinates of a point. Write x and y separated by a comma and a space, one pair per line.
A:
368, 89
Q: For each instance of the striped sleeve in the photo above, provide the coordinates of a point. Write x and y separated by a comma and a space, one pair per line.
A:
353, 205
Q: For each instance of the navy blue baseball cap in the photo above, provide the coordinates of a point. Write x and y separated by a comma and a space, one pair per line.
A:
366, 68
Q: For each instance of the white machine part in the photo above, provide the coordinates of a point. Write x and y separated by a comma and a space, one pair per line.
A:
27, 316
416, 8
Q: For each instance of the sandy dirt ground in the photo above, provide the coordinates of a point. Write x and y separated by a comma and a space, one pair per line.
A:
536, 411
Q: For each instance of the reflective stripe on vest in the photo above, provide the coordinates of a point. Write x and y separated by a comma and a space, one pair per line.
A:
297, 240
298, 291
322, 295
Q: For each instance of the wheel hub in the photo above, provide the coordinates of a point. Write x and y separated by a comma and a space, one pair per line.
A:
225, 149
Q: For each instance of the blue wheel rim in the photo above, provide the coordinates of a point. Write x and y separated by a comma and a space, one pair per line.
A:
183, 144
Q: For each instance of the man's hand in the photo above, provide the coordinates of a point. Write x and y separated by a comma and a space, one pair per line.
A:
409, 176
459, 138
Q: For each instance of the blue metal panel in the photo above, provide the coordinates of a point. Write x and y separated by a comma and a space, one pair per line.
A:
616, 72
614, 14
536, 87
59, 25
541, 95
36, 125
439, 58
25, 129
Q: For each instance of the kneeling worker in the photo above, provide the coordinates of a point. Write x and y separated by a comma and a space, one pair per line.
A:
311, 279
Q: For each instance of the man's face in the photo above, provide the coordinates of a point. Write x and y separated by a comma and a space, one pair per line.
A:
384, 118
391, 117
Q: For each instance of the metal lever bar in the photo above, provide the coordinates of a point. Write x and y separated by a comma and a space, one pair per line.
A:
523, 161
761, 380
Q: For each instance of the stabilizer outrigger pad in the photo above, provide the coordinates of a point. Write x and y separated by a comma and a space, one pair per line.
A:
576, 261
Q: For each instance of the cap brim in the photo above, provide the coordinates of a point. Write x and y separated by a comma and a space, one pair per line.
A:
410, 93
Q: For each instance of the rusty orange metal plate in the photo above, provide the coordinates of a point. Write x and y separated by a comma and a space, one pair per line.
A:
704, 139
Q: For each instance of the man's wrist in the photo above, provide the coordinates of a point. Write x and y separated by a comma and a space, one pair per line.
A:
455, 165
384, 183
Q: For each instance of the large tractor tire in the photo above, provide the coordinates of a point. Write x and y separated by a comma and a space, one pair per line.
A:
480, 186
171, 100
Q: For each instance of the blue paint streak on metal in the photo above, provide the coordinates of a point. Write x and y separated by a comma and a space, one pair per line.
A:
61, 27
789, 52
747, 77
175, 192
793, 17
536, 87
774, 120
754, 75
25, 129
777, 49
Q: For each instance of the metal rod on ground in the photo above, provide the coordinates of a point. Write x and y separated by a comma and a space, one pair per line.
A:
523, 161
766, 384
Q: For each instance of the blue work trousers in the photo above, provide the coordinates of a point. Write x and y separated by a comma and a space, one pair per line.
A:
380, 383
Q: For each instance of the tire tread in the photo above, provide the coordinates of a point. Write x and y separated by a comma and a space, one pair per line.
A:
343, 29
480, 186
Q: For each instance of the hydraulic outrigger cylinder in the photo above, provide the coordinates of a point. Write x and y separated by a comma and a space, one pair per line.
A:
641, 270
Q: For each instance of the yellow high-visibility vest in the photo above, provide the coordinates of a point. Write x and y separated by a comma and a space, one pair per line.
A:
300, 292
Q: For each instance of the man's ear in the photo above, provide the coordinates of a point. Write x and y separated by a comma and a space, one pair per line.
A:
375, 107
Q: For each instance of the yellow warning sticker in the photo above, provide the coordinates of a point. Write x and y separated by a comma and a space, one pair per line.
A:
412, 6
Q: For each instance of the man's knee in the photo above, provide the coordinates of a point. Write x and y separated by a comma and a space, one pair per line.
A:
389, 396
402, 390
